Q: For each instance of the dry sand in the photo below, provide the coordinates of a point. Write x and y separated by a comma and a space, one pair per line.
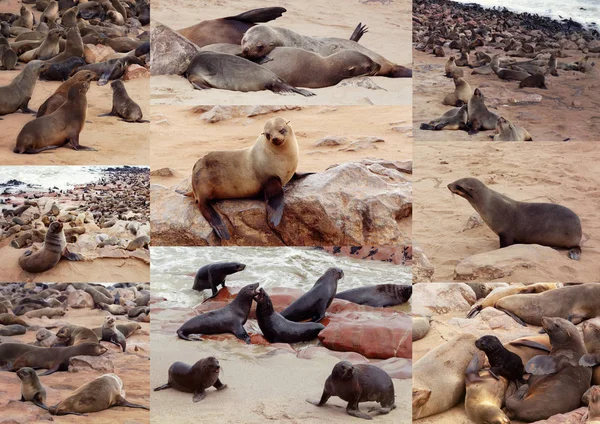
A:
568, 109
389, 35
563, 173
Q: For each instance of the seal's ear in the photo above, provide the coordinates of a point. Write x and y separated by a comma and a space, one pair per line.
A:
287, 122
352, 68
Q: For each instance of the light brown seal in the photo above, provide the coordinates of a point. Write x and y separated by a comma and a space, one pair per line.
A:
500, 292
480, 118
111, 334
535, 81
123, 106
507, 131
54, 248
461, 95
76, 334
454, 119
73, 48
45, 312
17, 94
485, 395
60, 96
451, 69
195, 378
31, 387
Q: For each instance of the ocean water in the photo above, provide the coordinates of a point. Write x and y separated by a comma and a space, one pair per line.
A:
586, 12
271, 267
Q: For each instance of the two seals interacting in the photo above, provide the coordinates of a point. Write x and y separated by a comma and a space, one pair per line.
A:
195, 378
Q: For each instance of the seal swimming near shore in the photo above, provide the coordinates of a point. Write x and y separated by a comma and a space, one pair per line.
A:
359, 383
480, 118
313, 304
54, 248
195, 378
214, 275
484, 395
260, 40
229, 319
227, 72
60, 96
265, 168
55, 359
503, 363
278, 329
379, 296
110, 333
454, 119
123, 105
17, 94
517, 222
507, 131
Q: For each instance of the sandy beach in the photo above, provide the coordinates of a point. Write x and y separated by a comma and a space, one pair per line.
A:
387, 22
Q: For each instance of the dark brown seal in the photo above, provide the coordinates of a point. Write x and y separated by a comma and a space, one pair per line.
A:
214, 275
73, 335
454, 119
55, 359
379, 296
123, 106
60, 96
194, 378
535, 81
503, 363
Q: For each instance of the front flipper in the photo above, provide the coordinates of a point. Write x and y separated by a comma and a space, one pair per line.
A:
241, 334
575, 253
530, 343
76, 146
301, 175
214, 219
352, 409
199, 394
324, 398
71, 256
590, 360
513, 316
505, 240
199, 83
51, 370
103, 80
121, 401
219, 386
25, 107
273, 192
542, 365
37, 401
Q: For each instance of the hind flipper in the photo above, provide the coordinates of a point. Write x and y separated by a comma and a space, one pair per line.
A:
513, 316
214, 219
163, 387
590, 360
121, 401
71, 256
273, 192
264, 14
542, 365
575, 253
359, 31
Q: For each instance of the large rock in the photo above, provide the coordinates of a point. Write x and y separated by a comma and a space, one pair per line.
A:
85, 363
573, 417
422, 269
80, 299
594, 46
170, 52
441, 298
355, 203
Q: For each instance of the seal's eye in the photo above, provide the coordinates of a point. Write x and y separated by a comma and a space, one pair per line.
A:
282, 131
268, 136
259, 47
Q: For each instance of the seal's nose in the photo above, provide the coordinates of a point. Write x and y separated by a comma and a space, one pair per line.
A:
246, 50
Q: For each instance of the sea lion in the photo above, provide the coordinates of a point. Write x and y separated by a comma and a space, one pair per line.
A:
142, 10
50, 13
229, 319
45, 338
461, 95
55, 359
10, 352
73, 48
17, 94
140, 242
485, 395
278, 329
507, 131
76, 334
313, 304
58, 128
113, 309
302, 68
45, 312
535, 81
97, 395
218, 70
420, 327
521, 222
379, 296
498, 293
454, 119
126, 329
439, 376
47, 50
558, 382
264, 167
61, 94
9, 59
25, 19
10, 319
123, 106
451, 70
12, 330
214, 275
195, 378
111, 334
359, 383
99, 294
31, 387
111, 69
259, 41
54, 248
115, 17
230, 29
480, 118
593, 414
121, 44
503, 363
61, 71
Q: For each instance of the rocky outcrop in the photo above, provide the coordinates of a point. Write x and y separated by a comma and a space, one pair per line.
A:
422, 269
170, 52
80, 299
441, 298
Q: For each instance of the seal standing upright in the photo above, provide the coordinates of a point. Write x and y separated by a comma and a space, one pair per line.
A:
503, 363
60, 96
123, 106
214, 275
111, 334
17, 94
31, 387
480, 118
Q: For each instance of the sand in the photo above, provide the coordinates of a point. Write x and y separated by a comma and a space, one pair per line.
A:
563, 173
389, 35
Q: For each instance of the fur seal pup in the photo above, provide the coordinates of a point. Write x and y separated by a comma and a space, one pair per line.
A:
25, 20
9, 59
521, 222
45, 312
214, 275
278, 329
31, 387
379, 296
55, 359
591, 337
126, 329
54, 248
219, 70
454, 119
313, 304
10, 319
506, 131
264, 167
480, 118
62, 126
45, 338
111, 334
123, 106
451, 70
259, 41
141, 242
60, 71
76, 334
230, 29
359, 383
535, 81
503, 363
195, 378
60, 96
99, 394
461, 95
229, 319
558, 382
17, 94
485, 395
593, 414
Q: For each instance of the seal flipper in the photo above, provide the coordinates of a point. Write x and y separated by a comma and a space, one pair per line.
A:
505, 240
590, 360
25, 107
263, 14
513, 316
199, 83
472, 371
530, 343
352, 409
241, 334
76, 146
219, 386
359, 31
121, 401
163, 387
38, 402
105, 77
474, 311
575, 253
300, 175
542, 365
71, 256
199, 394
107, 114
273, 192
324, 398
214, 219
51, 370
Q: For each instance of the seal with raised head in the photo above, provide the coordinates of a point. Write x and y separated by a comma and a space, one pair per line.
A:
461, 95
263, 168
517, 222
480, 118
194, 378
214, 275
278, 329
112, 69
111, 334
313, 304
591, 337
229, 319
484, 395
451, 70
31, 387
503, 363
126, 329
58, 128
54, 248
17, 94
507, 131
55, 359
9, 59
123, 106
227, 72
60, 96
379, 296
73, 335
454, 119
359, 383
73, 48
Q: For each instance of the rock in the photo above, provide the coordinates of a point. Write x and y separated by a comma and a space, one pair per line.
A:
422, 269
474, 221
573, 417
134, 72
377, 335
162, 172
441, 298
266, 109
356, 203
170, 52
79, 299
97, 53
363, 143
568, 45
400, 368
364, 82
218, 113
594, 46
503, 262
85, 363
330, 141
314, 351
577, 103
420, 327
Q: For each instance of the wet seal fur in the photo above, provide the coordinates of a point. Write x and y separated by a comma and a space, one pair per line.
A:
517, 222
54, 248
214, 275
484, 395
194, 378
379, 296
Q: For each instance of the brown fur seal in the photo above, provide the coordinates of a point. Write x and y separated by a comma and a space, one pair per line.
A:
195, 378
111, 334
126, 329
10, 319
359, 383
498, 293
451, 70
593, 414
301, 68
503, 363
558, 382
47, 50
212, 276
17, 94
140, 242
76, 334
535, 81
97, 395
12, 330
31, 387
264, 167
112, 69
227, 72
260, 40
591, 338
45, 312
461, 95
50, 13
507, 74
9, 59
480, 118
123, 106
507, 131
54, 248
230, 29
25, 20
58, 128
379, 296
485, 395
520, 222
56, 358
73, 48
44, 338
454, 119
60, 95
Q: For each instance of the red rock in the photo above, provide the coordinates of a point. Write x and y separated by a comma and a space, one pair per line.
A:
135, 72
396, 367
